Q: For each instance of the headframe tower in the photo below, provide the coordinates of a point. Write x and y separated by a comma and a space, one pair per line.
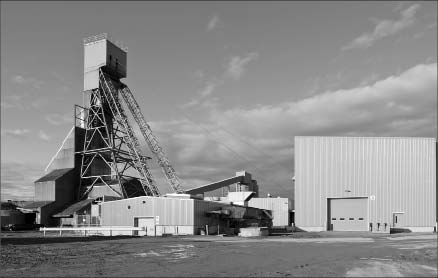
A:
112, 162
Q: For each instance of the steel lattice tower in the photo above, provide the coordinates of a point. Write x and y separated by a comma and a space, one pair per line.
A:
111, 160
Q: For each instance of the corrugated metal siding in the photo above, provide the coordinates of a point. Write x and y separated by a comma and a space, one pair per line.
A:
45, 191
200, 208
279, 207
170, 211
399, 172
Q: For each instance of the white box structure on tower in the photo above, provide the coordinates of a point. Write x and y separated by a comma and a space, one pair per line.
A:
102, 52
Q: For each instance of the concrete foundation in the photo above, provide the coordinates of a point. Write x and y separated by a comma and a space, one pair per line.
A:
252, 232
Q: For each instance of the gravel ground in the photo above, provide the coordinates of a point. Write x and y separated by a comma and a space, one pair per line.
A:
298, 254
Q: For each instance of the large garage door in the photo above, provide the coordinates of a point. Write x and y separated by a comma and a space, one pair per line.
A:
348, 214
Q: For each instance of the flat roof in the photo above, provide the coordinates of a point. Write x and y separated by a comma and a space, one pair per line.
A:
371, 137
53, 175
37, 204
105, 36
70, 210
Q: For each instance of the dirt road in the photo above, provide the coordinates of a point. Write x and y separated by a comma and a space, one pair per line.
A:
300, 254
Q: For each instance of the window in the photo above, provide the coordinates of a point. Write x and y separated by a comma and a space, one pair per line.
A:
341, 218
350, 218
333, 218
144, 202
129, 207
110, 59
360, 218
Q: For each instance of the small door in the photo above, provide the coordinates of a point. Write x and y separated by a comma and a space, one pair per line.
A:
148, 223
398, 220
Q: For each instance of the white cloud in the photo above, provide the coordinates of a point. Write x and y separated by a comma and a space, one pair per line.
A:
214, 23
208, 89
59, 119
17, 180
432, 25
369, 79
400, 105
6, 105
191, 103
39, 103
385, 28
32, 81
18, 79
358, 109
43, 136
236, 65
14, 101
17, 133
234, 69
23, 133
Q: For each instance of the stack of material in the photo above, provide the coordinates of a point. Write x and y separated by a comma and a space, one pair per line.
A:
254, 231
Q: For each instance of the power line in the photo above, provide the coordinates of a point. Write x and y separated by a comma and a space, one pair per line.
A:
220, 143
243, 140
229, 148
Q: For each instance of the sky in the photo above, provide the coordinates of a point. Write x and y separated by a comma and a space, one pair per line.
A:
225, 86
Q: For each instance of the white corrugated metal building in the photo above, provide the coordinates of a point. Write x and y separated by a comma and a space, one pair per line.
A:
280, 208
160, 214
361, 183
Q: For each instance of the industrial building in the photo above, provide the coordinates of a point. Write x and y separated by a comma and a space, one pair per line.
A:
177, 215
12, 213
365, 183
100, 176
281, 209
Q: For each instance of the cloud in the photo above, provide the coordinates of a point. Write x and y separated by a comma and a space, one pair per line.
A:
191, 103
234, 69
14, 101
23, 101
358, 110
208, 89
17, 180
16, 133
59, 119
18, 79
385, 28
236, 65
23, 133
43, 136
6, 105
214, 23
403, 104
39, 103
32, 81
369, 79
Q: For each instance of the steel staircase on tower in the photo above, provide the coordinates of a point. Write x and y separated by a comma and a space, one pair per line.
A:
110, 94
151, 140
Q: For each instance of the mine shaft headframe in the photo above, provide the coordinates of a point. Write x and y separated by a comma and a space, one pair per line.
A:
109, 92
105, 62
